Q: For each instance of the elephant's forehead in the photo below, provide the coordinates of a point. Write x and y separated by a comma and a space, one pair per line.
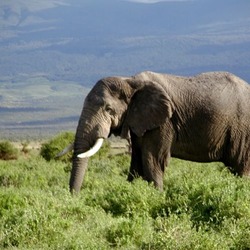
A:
99, 98
101, 93
94, 99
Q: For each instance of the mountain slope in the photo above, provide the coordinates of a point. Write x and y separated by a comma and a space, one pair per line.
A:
74, 43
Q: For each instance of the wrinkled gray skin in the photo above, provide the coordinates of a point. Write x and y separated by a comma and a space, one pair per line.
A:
203, 118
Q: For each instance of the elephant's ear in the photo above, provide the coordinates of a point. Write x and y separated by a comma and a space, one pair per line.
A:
149, 108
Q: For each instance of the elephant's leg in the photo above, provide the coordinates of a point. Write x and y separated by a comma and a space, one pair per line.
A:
243, 167
238, 156
153, 171
155, 157
246, 160
246, 171
136, 159
240, 169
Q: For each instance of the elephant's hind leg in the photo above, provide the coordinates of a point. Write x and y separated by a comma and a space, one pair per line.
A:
246, 162
240, 167
246, 169
237, 154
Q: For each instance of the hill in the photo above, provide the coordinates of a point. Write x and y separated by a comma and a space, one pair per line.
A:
61, 48
35, 108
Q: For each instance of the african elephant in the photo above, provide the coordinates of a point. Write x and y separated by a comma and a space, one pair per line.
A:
203, 118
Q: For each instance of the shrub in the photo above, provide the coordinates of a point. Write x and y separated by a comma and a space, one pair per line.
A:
201, 207
8, 151
50, 149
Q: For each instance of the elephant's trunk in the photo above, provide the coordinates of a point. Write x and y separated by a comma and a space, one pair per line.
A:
79, 166
90, 134
77, 174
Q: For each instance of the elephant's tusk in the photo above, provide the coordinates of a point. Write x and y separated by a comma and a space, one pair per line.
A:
93, 150
65, 150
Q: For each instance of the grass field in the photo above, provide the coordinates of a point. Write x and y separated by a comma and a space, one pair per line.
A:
203, 206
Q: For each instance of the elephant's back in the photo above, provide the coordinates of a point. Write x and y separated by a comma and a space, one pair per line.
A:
214, 86
222, 78
160, 78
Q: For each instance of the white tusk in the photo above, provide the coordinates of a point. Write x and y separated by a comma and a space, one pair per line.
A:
65, 151
93, 150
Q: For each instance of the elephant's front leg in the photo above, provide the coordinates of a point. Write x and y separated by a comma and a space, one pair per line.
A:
136, 169
155, 148
153, 169
150, 155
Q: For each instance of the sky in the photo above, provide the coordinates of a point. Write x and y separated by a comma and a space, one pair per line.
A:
156, 1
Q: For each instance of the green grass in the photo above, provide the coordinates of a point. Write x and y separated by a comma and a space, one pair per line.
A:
203, 206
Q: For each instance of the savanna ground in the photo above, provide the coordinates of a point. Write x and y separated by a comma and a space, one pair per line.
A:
202, 206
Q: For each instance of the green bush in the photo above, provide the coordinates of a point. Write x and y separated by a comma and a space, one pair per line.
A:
202, 206
8, 151
50, 149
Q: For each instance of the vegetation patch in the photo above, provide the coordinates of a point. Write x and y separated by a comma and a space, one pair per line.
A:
202, 206
8, 151
52, 147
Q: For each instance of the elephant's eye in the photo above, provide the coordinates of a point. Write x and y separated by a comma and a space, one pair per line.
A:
109, 109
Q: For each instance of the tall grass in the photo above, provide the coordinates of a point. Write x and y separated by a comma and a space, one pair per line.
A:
202, 206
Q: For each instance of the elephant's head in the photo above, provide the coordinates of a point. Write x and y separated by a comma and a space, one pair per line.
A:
117, 106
